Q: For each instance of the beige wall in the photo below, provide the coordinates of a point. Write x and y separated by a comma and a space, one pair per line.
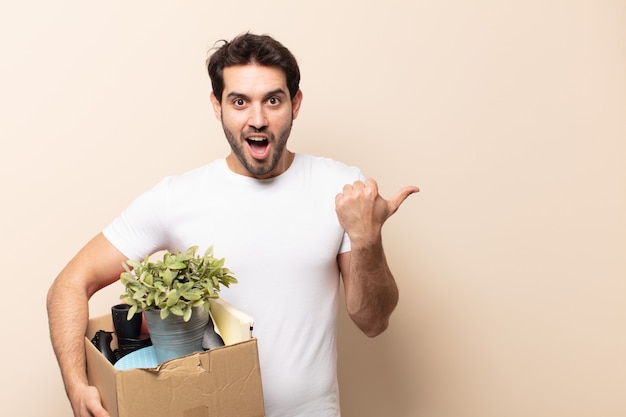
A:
510, 115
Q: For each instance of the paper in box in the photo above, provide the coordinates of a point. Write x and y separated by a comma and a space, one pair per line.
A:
222, 382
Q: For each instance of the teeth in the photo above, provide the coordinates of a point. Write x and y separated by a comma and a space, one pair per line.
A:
257, 139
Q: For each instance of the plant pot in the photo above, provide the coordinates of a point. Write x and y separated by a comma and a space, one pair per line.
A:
172, 337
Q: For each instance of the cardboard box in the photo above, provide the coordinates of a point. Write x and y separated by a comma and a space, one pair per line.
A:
222, 382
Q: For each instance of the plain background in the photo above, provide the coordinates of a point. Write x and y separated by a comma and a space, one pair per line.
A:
509, 115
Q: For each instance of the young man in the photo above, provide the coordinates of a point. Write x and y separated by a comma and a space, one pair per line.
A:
288, 224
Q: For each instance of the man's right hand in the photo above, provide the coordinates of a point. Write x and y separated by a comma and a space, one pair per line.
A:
88, 403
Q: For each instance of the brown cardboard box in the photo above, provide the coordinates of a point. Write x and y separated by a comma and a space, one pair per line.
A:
222, 382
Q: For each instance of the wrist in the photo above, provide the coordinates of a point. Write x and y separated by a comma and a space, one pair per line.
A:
366, 241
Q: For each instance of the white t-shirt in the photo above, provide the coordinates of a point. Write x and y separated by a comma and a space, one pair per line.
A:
281, 238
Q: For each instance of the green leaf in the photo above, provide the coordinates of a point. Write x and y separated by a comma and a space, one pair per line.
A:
127, 278
178, 265
176, 310
131, 312
172, 298
135, 264
193, 295
187, 314
167, 277
211, 291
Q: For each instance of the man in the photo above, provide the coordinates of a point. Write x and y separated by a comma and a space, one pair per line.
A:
288, 225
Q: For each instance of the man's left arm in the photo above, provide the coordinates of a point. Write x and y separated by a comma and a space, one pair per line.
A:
370, 288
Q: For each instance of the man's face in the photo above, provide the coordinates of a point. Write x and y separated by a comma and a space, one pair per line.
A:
256, 114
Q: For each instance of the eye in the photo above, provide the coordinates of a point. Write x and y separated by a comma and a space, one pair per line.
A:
239, 102
273, 101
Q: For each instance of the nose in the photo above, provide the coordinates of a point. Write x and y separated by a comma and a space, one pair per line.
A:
257, 119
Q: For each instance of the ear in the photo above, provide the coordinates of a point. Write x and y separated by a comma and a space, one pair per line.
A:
295, 104
217, 107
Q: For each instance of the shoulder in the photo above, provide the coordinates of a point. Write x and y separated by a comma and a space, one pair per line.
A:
328, 168
196, 177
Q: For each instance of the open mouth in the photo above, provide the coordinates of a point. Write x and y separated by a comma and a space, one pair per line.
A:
258, 147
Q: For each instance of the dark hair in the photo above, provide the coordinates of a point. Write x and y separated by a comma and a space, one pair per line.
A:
252, 49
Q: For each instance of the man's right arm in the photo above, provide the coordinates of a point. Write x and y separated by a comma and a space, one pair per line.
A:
97, 265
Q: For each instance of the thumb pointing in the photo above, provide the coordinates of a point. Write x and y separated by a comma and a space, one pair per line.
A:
399, 198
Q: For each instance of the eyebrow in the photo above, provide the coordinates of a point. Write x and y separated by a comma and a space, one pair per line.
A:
278, 91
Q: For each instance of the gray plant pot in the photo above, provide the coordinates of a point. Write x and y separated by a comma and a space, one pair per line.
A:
173, 337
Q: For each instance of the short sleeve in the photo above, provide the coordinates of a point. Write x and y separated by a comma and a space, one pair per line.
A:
142, 227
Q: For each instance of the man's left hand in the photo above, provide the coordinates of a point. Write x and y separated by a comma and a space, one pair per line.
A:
362, 211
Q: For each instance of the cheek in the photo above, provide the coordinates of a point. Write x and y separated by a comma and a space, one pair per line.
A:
235, 122
282, 119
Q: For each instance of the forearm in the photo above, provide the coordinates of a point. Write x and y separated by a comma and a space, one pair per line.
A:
97, 265
371, 293
68, 315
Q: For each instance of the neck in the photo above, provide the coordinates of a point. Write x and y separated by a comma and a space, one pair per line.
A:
283, 165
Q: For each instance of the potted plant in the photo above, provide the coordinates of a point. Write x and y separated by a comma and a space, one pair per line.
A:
174, 294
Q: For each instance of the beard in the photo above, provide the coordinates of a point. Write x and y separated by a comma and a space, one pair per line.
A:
257, 168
